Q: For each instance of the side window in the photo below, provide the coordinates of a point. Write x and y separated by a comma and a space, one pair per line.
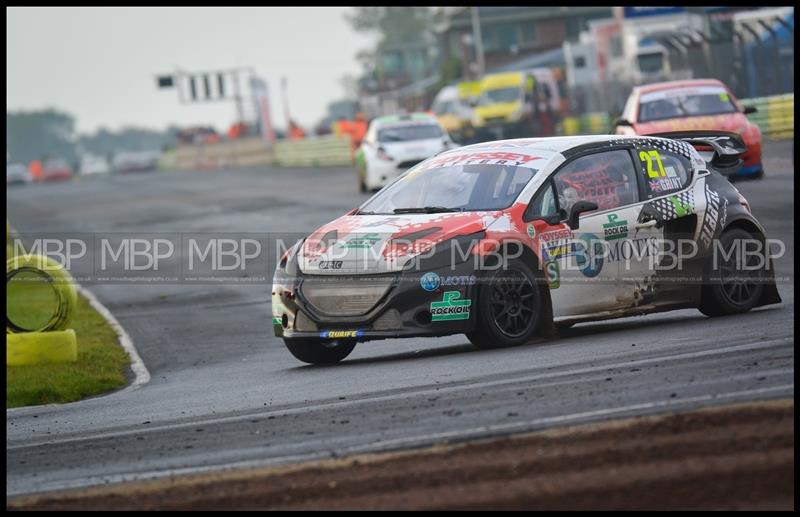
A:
544, 204
664, 172
607, 178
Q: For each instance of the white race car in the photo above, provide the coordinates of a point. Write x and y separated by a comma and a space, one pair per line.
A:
393, 144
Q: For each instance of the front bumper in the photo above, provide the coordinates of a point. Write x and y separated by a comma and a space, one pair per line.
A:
409, 307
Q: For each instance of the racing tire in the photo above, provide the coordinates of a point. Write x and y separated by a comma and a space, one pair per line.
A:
318, 351
510, 303
727, 289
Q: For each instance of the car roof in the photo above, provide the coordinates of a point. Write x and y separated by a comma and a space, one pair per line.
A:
556, 144
399, 120
669, 85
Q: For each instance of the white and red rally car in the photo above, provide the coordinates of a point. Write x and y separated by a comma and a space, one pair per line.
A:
505, 240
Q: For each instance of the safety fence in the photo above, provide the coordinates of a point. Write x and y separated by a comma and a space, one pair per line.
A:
315, 151
587, 124
230, 153
328, 150
774, 115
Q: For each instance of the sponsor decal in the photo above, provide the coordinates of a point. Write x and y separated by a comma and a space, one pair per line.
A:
340, 334
430, 281
589, 255
559, 249
565, 233
614, 228
487, 157
711, 218
724, 213
682, 208
330, 264
557, 244
364, 242
450, 308
633, 249
531, 231
459, 280
668, 208
552, 272
664, 184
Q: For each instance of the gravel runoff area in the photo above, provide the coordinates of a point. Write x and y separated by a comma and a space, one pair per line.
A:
730, 457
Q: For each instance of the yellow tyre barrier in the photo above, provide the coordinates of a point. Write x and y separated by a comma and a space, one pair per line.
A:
40, 295
41, 348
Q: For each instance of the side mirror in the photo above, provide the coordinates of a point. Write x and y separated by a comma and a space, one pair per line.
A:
749, 109
622, 122
576, 211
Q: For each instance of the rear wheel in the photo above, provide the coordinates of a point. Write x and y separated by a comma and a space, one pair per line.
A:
509, 307
734, 284
318, 351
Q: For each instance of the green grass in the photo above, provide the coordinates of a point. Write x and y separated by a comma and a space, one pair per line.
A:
100, 366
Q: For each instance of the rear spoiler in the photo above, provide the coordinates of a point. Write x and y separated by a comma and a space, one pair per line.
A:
727, 147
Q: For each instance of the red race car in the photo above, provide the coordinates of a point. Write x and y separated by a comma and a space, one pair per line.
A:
700, 104
56, 170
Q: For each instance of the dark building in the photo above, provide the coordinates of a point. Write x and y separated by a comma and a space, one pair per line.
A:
513, 33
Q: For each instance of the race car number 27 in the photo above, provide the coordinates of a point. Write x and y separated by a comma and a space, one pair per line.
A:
650, 158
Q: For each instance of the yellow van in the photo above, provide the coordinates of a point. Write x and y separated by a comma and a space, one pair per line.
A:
502, 100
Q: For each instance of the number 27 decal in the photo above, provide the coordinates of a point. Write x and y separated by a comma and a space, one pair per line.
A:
651, 157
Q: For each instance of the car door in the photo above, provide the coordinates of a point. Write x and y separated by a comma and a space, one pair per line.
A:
587, 258
664, 224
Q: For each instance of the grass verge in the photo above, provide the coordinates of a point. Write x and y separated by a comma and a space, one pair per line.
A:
100, 366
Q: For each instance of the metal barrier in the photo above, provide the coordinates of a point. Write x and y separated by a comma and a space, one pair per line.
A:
314, 151
230, 153
775, 115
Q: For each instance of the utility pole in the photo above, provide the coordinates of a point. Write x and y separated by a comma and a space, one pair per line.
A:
285, 94
478, 40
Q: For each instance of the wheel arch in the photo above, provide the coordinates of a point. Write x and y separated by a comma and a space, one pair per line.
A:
770, 294
511, 248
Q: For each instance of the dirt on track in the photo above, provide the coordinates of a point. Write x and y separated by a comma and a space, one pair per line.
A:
731, 457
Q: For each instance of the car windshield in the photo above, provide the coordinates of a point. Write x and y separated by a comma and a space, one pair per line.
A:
442, 107
451, 188
409, 133
689, 102
500, 95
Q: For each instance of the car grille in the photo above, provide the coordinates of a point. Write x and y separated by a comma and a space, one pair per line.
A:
407, 164
345, 296
495, 121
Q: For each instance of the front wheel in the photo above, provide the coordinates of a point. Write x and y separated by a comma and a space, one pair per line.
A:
509, 307
318, 351
734, 279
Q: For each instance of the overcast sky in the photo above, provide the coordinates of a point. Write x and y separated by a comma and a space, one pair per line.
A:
100, 64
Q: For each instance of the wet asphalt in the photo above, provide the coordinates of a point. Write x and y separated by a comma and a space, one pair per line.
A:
225, 392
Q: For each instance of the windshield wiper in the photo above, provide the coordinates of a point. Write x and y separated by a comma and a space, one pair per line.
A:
426, 210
